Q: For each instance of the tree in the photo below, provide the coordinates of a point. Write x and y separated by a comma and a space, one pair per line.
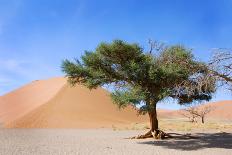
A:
221, 66
189, 113
193, 112
143, 78
203, 112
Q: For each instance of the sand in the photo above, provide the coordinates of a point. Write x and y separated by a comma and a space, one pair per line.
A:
221, 110
101, 141
21, 101
53, 103
77, 107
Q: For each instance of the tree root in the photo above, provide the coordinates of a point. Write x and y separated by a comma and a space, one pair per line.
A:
146, 135
157, 134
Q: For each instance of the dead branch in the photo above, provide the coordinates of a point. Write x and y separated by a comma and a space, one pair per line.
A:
220, 66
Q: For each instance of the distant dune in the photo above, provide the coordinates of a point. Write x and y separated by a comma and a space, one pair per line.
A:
221, 110
53, 103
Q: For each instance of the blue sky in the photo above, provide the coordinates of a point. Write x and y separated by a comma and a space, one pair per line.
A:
36, 35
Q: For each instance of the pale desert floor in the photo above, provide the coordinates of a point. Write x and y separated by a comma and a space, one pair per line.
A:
107, 141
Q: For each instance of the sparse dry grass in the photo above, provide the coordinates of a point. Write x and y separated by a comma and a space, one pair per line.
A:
181, 124
185, 125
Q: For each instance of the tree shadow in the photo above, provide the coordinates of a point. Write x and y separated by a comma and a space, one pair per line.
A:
200, 141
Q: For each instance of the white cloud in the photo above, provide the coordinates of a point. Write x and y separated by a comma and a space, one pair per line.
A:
4, 81
7, 69
12, 65
6, 84
26, 70
14, 73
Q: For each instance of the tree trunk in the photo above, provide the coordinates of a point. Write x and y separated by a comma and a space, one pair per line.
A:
202, 119
153, 121
154, 128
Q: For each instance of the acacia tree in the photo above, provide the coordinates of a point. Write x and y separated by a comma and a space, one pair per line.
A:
142, 78
193, 112
202, 112
189, 113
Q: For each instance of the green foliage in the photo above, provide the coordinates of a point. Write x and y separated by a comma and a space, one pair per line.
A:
125, 97
142, 77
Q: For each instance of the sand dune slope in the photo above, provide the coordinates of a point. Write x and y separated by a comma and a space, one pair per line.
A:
77, 107
21, 101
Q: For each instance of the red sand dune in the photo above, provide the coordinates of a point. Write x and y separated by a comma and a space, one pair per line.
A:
73, 107
164, 113
53, 103
221, 110
21, 101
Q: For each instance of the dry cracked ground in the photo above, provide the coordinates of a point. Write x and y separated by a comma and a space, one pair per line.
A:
106, 141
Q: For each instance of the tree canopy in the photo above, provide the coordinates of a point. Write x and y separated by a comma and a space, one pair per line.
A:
143, 77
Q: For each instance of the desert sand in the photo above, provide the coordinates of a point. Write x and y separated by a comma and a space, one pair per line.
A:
53, 103
68, 107
80, 121
104, 142
221, 110
21, 101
